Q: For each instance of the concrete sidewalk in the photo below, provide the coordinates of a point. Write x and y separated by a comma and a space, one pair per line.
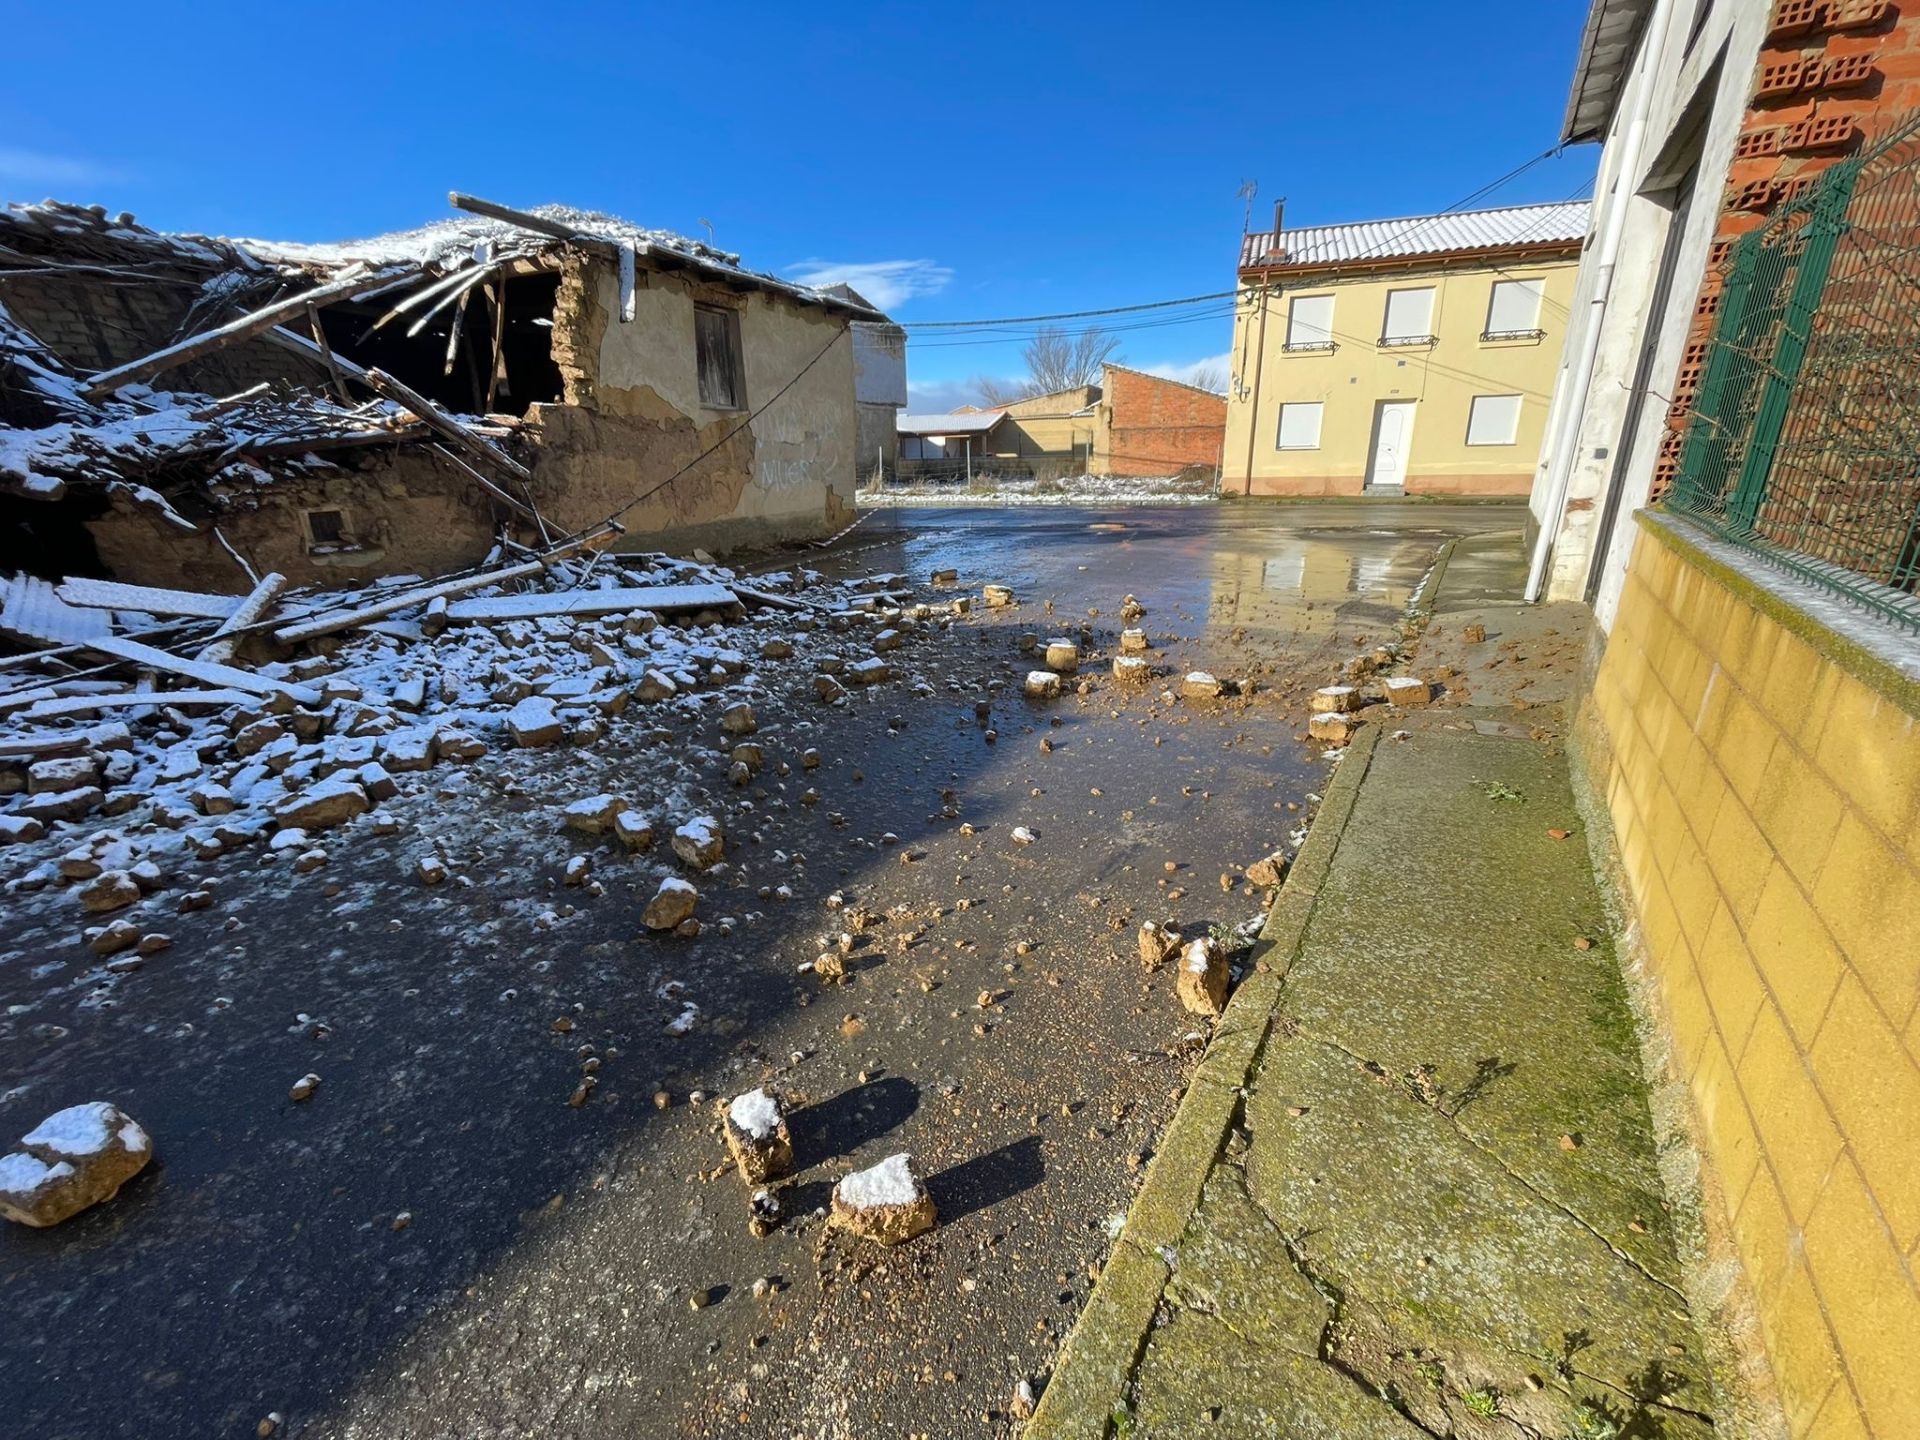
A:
1413, 1188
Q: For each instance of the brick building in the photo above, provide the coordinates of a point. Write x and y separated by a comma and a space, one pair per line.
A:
1150, 425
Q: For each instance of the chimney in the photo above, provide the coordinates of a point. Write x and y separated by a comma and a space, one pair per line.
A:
1279, 214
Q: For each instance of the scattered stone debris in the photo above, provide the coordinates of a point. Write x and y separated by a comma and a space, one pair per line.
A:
304, 1087
1334, 700
1268, 871
886, 1203
997, 597
1332, 726
1200, 685
1063, 656
1158, 944
757, 1138
1202, 980
1409, 692
672, 904
1131, 670
1042, 685
73, 1159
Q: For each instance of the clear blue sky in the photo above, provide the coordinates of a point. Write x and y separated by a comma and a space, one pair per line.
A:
992, 160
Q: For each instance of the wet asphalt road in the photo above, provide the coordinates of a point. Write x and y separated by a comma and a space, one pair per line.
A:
440, 1245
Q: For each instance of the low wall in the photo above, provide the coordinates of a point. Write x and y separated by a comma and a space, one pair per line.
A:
1762, 773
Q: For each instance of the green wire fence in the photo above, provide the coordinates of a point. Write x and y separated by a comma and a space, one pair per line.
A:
1804, 444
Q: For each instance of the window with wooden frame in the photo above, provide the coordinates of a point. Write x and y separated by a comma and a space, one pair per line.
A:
325, 527
716, 349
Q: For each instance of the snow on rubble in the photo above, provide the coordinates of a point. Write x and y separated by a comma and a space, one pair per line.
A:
126, 787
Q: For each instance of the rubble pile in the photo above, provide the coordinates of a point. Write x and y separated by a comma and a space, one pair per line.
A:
122, 783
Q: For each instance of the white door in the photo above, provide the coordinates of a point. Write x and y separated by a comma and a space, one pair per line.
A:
1392, 437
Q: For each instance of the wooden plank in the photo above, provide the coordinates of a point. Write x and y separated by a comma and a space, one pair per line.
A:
300, 345
338, 620
91, 594
474, 205
591, 602
43, 742
132, 700
627, 283
250, 324
219, 650
216, 677
445, 425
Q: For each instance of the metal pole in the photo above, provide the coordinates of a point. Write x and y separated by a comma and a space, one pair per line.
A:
1259, 362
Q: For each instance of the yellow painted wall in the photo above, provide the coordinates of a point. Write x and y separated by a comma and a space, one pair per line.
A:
1443, 378
1764, 785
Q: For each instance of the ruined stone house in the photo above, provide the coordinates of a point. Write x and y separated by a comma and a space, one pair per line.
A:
554, 369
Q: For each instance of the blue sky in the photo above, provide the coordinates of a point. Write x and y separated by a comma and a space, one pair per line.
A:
956, 161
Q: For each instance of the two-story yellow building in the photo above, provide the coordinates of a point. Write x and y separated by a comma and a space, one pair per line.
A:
1412, 356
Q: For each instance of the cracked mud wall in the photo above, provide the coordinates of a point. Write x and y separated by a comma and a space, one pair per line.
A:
404, 512
632, 416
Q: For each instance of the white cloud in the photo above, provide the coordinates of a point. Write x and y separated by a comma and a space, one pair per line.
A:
1209, 368
885, 282
36, 167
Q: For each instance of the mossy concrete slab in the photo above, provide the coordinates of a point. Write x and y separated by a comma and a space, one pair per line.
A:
1426, 1198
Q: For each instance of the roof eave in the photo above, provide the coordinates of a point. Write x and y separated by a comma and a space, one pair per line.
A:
1607, 46
1539, 249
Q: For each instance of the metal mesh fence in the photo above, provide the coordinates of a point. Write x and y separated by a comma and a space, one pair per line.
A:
1805, 444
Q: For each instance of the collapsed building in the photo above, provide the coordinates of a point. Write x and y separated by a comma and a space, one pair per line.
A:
177, 410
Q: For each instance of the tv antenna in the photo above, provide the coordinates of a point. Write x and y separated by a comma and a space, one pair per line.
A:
1248, 189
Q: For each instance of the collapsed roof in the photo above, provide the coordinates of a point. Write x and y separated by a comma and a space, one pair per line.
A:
66, 419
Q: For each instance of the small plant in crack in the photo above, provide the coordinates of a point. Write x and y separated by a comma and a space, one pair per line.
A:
1500, 790
1592, 1421
1483, 1401
1431, 1371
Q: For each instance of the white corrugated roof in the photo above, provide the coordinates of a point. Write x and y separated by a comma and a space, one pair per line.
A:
1563, 222
974, 424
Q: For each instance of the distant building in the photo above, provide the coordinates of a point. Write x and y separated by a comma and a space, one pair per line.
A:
879, 387
1411, 356
1132, 423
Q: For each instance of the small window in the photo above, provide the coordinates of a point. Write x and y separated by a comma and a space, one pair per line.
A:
326, 527
1310, 323
1300, 426
1493, 420
1409, 317
1513, 312
716, 346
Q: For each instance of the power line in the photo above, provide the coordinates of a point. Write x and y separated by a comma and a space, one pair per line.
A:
1064, 315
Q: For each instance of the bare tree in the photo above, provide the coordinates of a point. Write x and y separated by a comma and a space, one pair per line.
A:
1212, 375
1062, 359
1056, 360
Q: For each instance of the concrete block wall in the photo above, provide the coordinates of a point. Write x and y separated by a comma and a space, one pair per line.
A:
1763, 778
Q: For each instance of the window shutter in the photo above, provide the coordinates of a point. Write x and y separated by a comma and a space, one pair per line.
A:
1515, 307
1310, 320
1493, 420
1300, 426
1409, 315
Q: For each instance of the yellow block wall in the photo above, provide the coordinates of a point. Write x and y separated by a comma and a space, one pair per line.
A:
1766, 801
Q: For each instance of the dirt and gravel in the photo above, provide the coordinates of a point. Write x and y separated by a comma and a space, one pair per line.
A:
455, 1234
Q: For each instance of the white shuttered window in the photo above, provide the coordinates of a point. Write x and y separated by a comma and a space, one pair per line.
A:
1310, 320
1514, 307
1300, 425
1409, 315
1493, 420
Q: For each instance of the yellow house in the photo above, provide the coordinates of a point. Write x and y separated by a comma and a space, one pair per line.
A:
1389, 357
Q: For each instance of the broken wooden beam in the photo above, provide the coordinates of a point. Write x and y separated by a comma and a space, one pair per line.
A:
300, 345
338, 620
69, 705
248, 325
217, 677
219, 650
583, 603
445, 425
539, 224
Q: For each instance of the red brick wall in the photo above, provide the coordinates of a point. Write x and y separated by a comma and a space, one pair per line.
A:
1157, 427
1833, 75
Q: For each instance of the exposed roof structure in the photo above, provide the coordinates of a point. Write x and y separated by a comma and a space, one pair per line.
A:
1459, 232
1606, 54
974, 424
